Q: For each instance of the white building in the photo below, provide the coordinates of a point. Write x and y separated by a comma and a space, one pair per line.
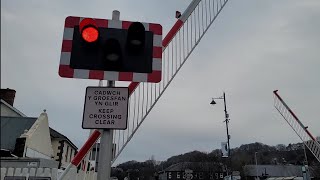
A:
29, 139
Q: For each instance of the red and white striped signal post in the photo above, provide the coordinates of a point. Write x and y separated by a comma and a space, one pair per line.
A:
110, 50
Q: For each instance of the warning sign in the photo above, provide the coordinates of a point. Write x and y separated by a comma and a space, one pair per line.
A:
105, 108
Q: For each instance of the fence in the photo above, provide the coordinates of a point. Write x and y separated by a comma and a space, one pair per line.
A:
45, 173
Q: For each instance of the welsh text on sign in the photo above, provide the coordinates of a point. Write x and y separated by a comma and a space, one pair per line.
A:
105, 108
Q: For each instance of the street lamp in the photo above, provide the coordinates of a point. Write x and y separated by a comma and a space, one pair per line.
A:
226, 117
227, 122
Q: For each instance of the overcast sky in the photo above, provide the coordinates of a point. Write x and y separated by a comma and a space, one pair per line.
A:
253, 48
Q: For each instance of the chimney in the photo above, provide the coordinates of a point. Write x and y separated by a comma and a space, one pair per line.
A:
8, 95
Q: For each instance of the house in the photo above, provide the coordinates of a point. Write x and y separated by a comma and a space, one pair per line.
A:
30, 137
64, 150
194, 171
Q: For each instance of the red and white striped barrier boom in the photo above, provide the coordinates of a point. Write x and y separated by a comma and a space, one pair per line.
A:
304, 134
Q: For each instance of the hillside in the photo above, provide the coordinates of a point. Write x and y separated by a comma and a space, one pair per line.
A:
243, 155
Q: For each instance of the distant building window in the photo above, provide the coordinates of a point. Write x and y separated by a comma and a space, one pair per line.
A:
66, 155
70, 157
14, 178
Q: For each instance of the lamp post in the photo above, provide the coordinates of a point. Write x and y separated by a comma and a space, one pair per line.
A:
226, 117
226, 121
255, 157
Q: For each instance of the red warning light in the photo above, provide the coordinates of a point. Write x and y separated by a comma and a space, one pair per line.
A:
89, 30
90, 34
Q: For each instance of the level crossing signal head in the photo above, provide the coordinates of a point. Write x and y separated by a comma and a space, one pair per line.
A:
111, 50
